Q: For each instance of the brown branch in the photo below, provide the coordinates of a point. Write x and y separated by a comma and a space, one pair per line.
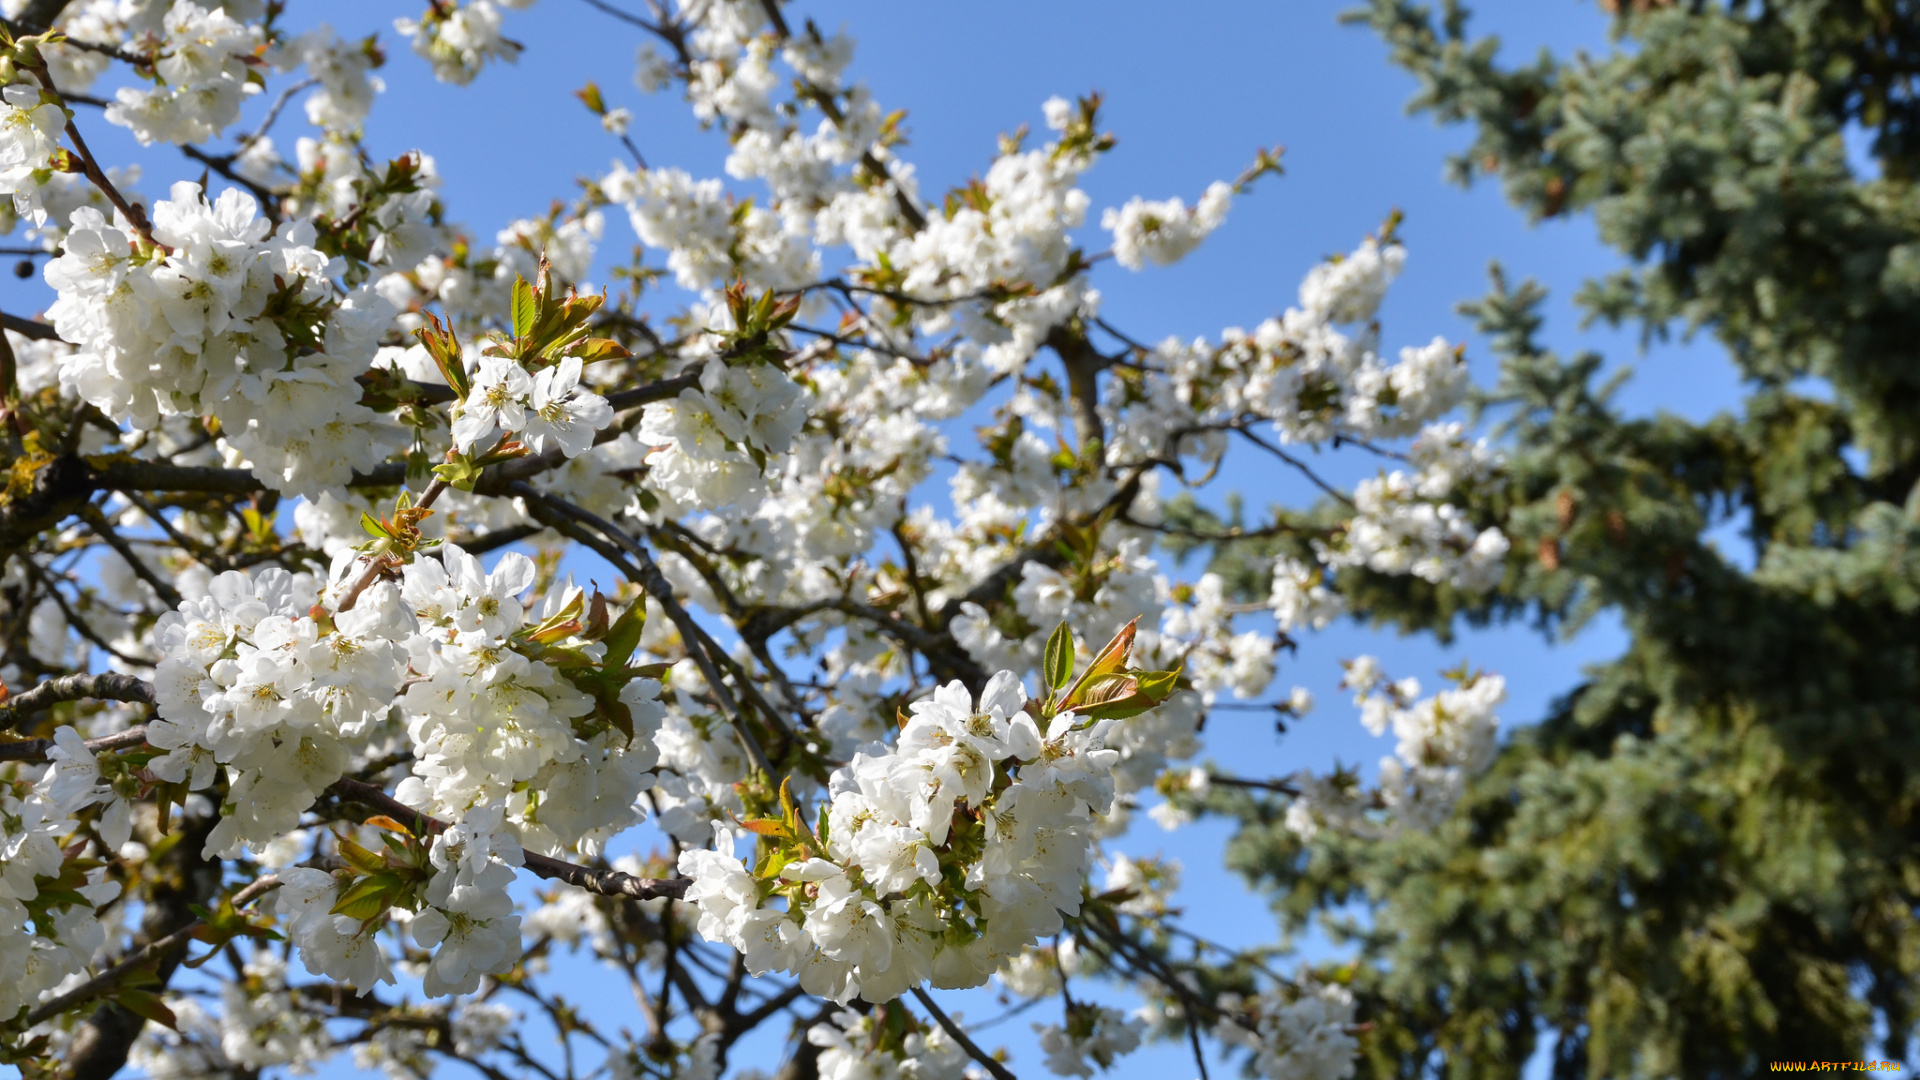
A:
650, 579
97, 521
106, 686
1084, 364
1279, 786
91, 168
35, 750
37, 16
603, 882
31, 329
102, 983
999, 1071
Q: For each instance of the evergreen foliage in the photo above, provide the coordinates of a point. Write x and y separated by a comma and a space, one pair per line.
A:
1704, 859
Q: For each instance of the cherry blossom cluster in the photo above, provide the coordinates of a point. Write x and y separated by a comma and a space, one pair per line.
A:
460, 39
493, 715
887, 1043
548, 409
259, 1026
711, 443
1443, 741
1299, 1032
249, 683
32, 120
1403, 525
262, 682
200, 77
225, 317
1165, 232
1094, 1037
49, 926
937, 858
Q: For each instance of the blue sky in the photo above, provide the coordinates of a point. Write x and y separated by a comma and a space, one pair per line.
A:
1191, 91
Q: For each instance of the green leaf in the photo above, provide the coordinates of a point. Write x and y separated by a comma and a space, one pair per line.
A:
777, 860
360, 858
1058, 667
525, 309
624, 635
459, 473
1159, 685
373, 526
148, 1006
369, 898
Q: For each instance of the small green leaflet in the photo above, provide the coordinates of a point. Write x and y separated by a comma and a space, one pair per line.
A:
1059, 658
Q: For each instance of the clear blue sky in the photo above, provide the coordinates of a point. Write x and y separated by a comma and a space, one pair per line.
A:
1192, 89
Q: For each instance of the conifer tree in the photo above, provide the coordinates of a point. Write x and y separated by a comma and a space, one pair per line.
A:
1703, 858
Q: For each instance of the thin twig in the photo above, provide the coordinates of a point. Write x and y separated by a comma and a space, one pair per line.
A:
999, 1071
381, 564
273, 114
624, 16
102, 983
603, 882
134, 214
97, 521
655, 584
1279, 786
1304, 469
35, 750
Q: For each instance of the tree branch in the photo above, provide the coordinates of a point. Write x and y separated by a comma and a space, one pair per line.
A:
999, 1071
31, 329
106, 686
102, 983
35, 750
655, 584
603, 882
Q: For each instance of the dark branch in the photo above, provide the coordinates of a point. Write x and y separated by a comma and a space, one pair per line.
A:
107, 686
604, 882
959, 1035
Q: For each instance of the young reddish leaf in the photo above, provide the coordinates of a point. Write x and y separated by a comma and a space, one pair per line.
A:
766, 827
1110, 660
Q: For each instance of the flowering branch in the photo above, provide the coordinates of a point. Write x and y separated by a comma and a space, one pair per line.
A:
701, 647
918, 805
959, 1035
104, 982
603, 882
135, 216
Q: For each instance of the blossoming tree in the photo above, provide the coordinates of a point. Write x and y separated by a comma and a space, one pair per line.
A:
314, 743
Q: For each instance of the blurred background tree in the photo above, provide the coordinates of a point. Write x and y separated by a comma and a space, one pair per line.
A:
1704, 858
